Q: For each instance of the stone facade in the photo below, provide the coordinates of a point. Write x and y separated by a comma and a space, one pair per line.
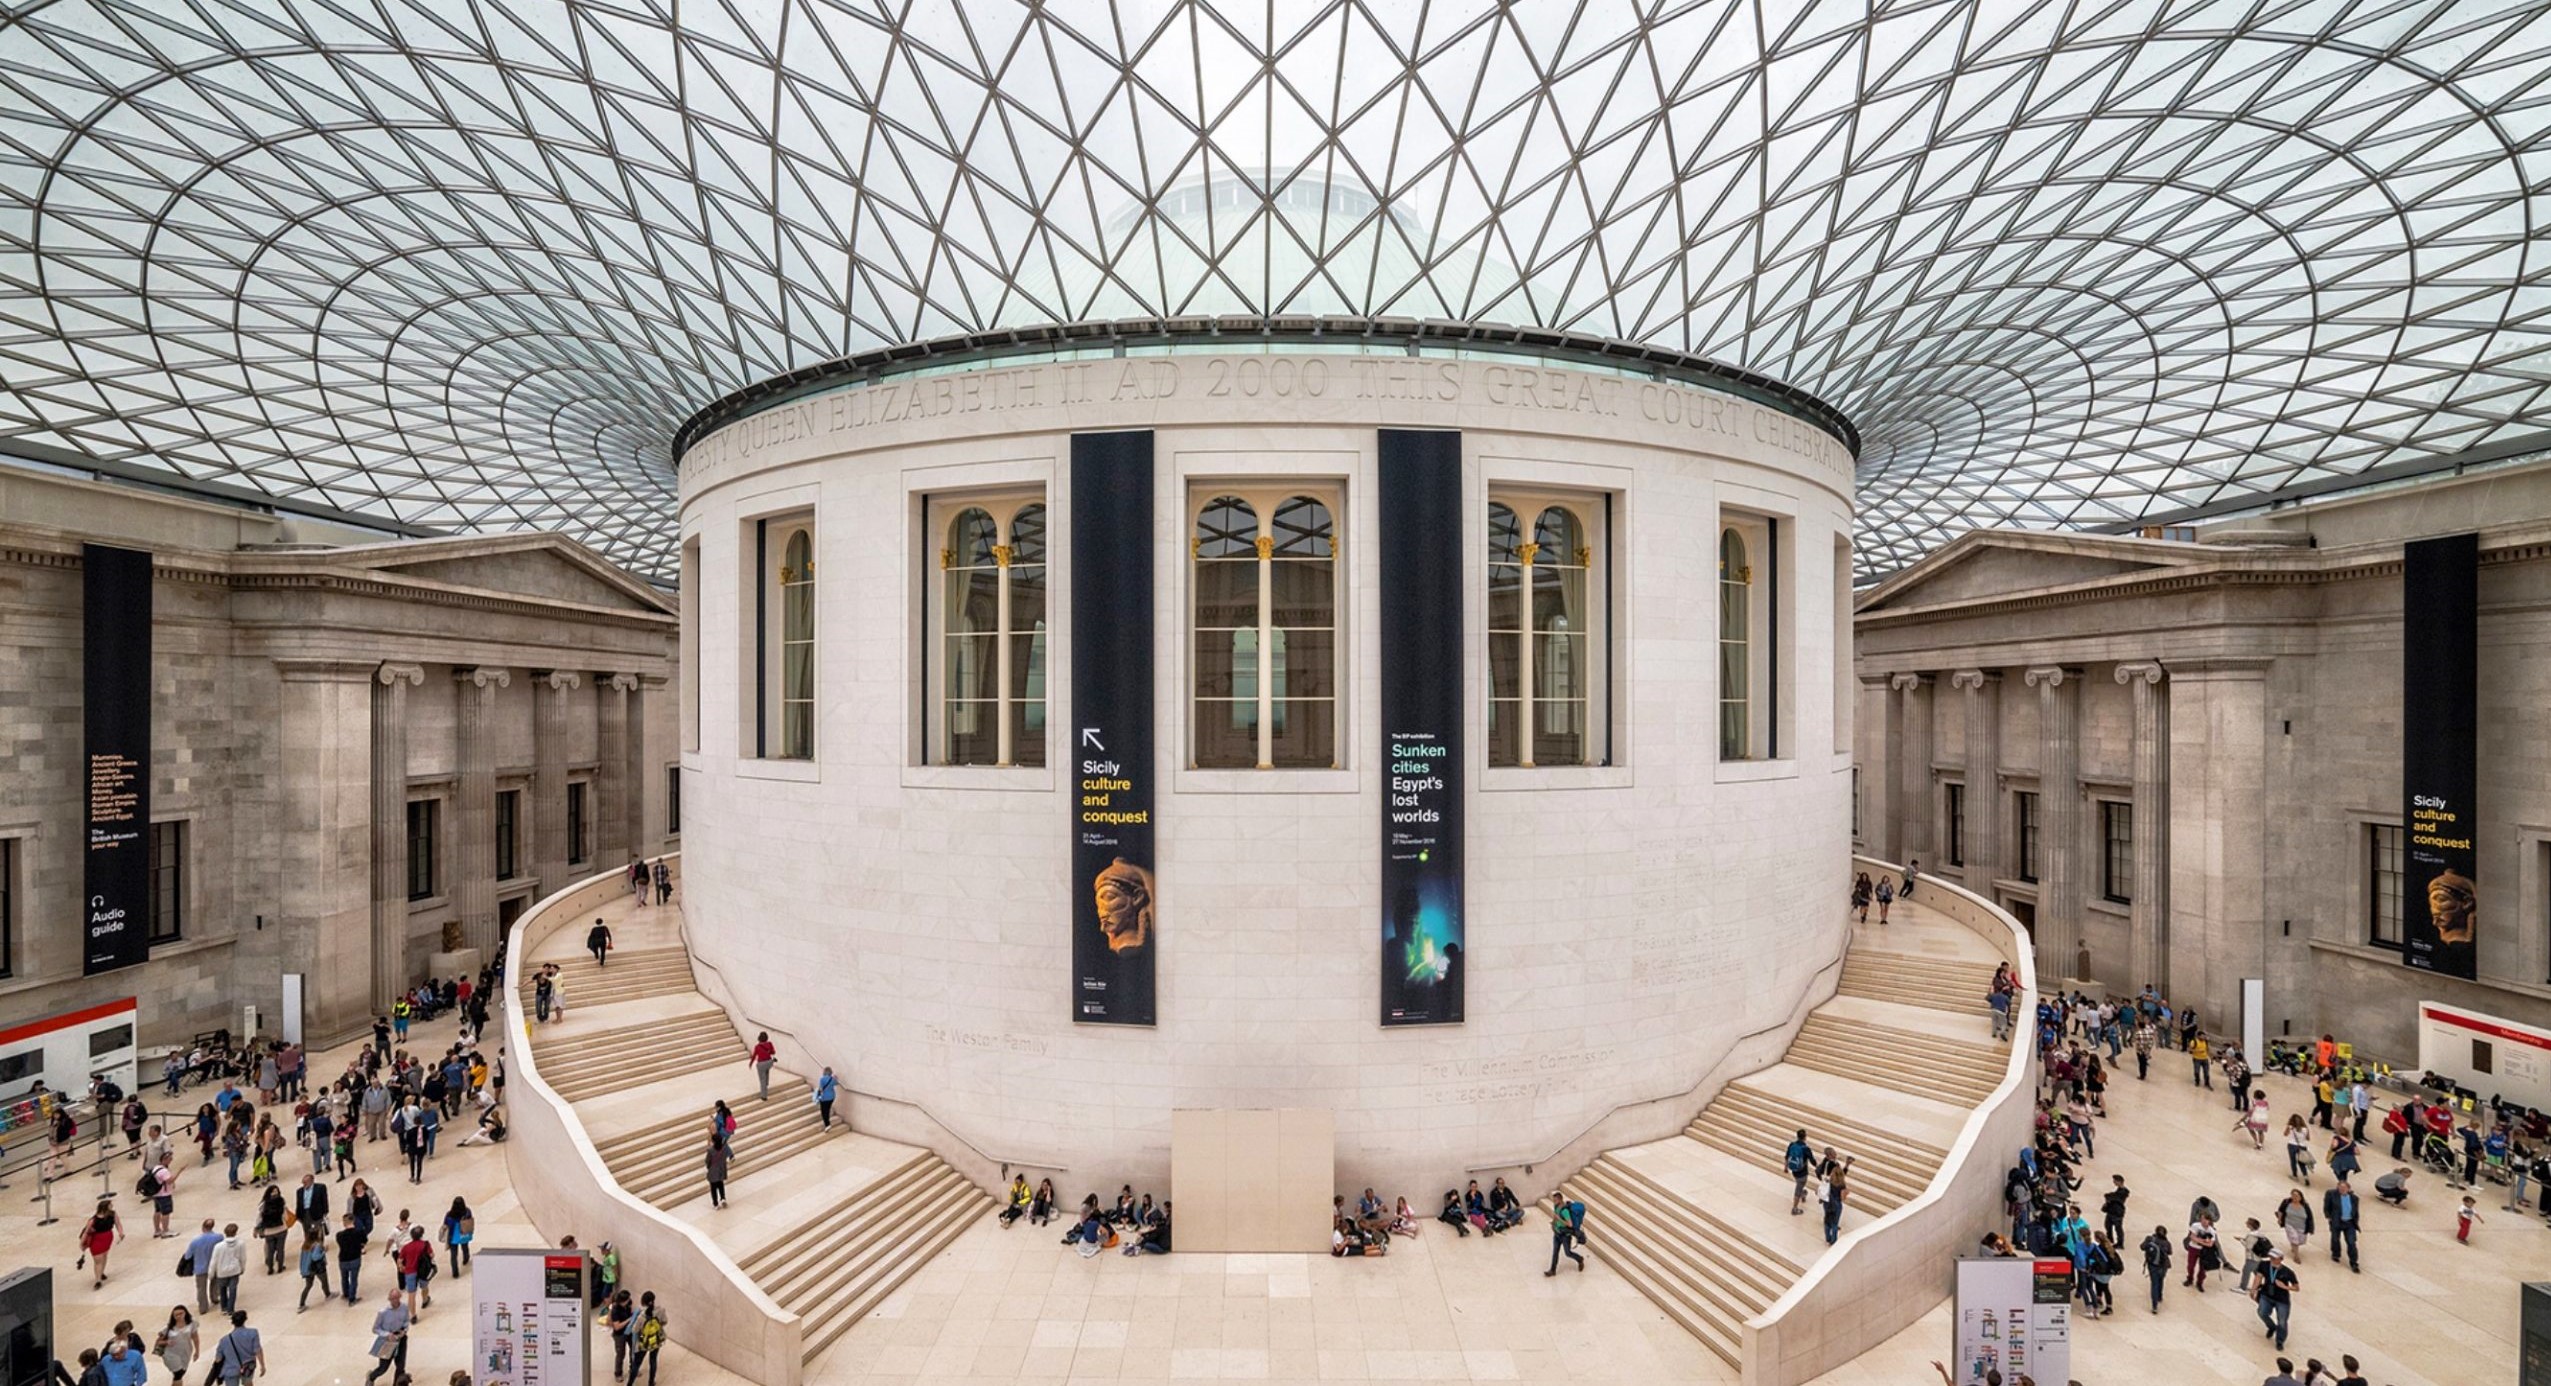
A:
310, 683
909, 922
2239, 696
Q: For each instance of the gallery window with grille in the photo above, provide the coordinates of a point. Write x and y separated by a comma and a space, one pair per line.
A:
1748, 637
2117, 851
1263, 612
8, 906
1548, 649
673, 801
1956, 794
783, 617
987, 674
2024, 815
2383, 865
509, 818
579, 826
424, 823
168, 881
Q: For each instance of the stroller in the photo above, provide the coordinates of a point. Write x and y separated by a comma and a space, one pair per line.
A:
2436, 1151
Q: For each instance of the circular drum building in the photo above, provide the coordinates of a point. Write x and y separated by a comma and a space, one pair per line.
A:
1440, 727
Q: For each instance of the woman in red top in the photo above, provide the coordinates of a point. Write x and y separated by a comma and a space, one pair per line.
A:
764, 1056
97, 1237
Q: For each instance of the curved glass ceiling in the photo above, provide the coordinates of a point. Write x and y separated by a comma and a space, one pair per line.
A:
2062, 263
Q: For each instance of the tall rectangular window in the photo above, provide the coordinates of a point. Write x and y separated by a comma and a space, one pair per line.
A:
1264, 587
673, 801
8, 906
2382, 862
1548, 648
509, 817
1749, 681
780, 612
989, 612
2117, 851
168, 881
423, 821
579, 842
1855, 803
1957, 824
690, 690
2024, 809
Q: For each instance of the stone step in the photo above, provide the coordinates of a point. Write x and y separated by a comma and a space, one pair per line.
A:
632, 1041
1851, 1064
1876, 1180
1918, 965
1957, 999
594, 1082
1742, 1254
1781, 1110
851, 1262
1911, 1046
933, 1228
1706, 1284
673, 1179
634, 1146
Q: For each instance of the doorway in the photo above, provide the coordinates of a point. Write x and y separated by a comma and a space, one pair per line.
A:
2025, 911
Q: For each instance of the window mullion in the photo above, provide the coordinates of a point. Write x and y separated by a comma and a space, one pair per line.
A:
1265, 657
1001, 752
1524, 680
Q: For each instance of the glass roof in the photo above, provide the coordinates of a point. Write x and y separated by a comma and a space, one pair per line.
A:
469, 266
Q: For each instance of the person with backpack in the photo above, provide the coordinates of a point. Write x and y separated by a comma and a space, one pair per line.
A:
647, 1337
2157, 1260
1567, 1225
1800, 1161
240, 1356
618, 1317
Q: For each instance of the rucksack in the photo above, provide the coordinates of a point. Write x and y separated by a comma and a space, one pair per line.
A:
650, 1333
148, 1185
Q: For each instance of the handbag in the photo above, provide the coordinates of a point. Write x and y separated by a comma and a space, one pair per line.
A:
185, 1265
468, 1227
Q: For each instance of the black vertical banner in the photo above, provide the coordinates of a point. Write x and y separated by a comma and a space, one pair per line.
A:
1115, 902
116, 711
2439, 728
1421, 550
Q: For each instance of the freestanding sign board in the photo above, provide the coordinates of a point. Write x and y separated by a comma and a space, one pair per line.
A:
1115, 903
1423, 939
2014, 1315
527, 1318
115, 701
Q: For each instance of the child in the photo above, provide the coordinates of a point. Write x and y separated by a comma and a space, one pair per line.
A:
2463, 1220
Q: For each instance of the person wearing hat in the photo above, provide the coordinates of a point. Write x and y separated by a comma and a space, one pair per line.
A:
2275, 1294
606, 1273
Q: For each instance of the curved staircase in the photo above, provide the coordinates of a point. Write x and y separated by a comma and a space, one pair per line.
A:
1885, 1073
642, 1056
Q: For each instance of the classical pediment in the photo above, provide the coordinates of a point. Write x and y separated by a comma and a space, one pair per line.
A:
1984, 565
542, 567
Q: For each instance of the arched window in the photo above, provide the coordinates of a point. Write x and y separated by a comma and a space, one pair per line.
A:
1545, 641
797, 646
992, 624
1265, 623
1735, 648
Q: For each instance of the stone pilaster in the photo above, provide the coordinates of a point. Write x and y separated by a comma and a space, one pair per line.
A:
1878, 773
1984, 848
389, 828
2217, 809
2059, 822
613, 786
2147, 932
549, 775
325, 908
642, 769
474, 819
1913, 766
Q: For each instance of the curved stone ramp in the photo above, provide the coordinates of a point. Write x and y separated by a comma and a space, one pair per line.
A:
1887, 1071
824, 1224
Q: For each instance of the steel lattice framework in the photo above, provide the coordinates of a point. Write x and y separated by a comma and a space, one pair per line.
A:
2064, 263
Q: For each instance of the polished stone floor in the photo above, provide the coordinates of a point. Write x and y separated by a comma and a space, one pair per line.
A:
1010, 1305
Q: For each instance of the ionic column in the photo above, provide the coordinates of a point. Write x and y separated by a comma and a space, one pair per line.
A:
612, 785
1913, 766
1983, 777
2147, 934
474, 825
641, 767
549, 775
2059, 813
389, 828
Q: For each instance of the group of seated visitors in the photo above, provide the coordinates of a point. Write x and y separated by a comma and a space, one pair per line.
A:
1491, 1213
1132, 1226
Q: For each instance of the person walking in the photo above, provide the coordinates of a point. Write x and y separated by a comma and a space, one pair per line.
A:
272, 1220
827, 1088
2204, 1251
310, 1204
617, 1318
2298, 1149
230, 1261
1886, 897
606, 1273
240, 1355
460, 1228
663, 882
2275, 1294
1564, 1217
198, 1260
637, 875
646, 1337
598, 941
717, 1160
2146, 1035
314, 1263
2112, 1210
177, 1344
2360, 1104
2295, 1215
1835, 1191
1800, 1160
765, 1056
351, 1241
2200, 1056
389, 1340
2157, 1259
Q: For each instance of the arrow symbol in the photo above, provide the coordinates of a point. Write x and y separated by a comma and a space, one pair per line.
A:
1089, 738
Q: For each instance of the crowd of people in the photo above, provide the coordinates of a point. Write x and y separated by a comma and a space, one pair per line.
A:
263, 1111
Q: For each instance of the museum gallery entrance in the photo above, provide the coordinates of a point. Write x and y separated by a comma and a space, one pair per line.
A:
2025, 911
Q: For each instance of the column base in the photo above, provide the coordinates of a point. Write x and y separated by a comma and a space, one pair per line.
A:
463, 963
